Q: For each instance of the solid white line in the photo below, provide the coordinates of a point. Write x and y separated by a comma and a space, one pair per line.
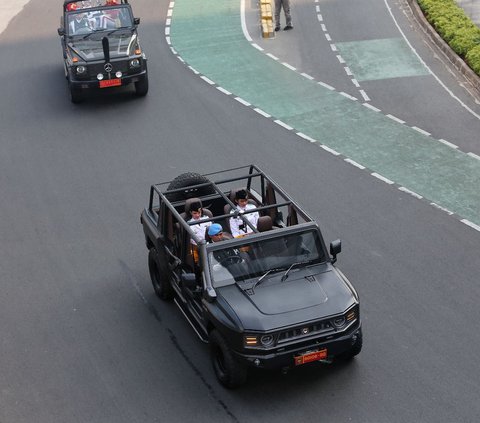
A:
306, 137
283, 124
371, 107
272, 56
365, 96
354, 163
224, 91
406, 190
424, 64
330, 150
208, 81
473, 155
326, 86
243, 21
307, 76
421, 131
289, 66
471, 224
449, 144
241, 100
382, 178
257, 46
260, 111
396, 119
348, 96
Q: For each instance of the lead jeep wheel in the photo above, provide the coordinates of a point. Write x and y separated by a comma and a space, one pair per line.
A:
141, 87
75, 94
228, 370
159, 277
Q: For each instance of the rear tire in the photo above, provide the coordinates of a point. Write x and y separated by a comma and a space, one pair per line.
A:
159, 277
189, 179
228, 370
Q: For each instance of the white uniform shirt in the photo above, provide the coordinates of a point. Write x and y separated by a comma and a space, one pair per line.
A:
200, 228
238, 226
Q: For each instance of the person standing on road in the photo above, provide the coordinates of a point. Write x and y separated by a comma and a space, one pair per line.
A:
286, 9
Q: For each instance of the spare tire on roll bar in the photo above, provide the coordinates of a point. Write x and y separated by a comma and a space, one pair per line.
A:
186, 180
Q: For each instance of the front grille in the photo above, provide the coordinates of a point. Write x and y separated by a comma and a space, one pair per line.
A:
96, 68
323, 327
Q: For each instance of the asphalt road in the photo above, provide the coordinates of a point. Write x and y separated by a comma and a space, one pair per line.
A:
83, 338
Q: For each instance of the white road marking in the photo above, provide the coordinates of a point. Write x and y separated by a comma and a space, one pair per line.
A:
382, 178
241, 100
283, 124
396, 119
354, 163
414, 194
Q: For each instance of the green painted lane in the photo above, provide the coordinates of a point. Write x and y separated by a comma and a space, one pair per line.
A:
207, 34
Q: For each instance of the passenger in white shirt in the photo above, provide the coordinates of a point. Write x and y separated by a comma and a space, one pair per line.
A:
237, 225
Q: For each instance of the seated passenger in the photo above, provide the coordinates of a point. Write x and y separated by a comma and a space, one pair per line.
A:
216, 234
79, 24
196, 215
237, 225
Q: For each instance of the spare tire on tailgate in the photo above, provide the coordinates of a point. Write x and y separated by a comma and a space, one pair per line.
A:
186, 180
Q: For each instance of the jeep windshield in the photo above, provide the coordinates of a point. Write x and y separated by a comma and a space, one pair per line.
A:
252, 262
82, 22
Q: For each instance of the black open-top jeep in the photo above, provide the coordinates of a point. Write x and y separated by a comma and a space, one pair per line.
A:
269, 299
101, 47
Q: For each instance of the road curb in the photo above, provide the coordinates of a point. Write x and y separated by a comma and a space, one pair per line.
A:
456, 60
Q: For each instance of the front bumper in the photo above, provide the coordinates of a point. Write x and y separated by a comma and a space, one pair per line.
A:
285, 357
95, 83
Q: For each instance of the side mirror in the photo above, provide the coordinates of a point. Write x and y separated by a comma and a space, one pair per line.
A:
136, 21
335, 248
61, 31
189, 280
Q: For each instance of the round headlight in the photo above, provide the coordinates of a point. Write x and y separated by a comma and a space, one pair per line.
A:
100, 76
118, 74
81, 69
266, 340
339, 322
134, 63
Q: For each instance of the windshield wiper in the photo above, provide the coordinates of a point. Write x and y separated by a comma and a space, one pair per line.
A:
90, 33
261, 278
118, 29
285, 275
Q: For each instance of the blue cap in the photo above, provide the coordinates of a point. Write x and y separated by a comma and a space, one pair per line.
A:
214, 229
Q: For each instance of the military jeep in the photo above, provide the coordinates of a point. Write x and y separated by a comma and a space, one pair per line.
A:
101, 48
271, 299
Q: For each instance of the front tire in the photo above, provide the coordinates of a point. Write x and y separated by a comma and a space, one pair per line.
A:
76, 95
159, 277
355, 349
141, 87
228, 370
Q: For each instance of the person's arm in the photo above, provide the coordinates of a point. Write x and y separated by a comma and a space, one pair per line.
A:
234, 226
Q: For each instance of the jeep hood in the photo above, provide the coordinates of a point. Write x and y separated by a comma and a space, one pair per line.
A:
298, 299
91, 48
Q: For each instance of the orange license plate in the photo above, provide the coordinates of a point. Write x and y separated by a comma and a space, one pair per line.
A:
310, 356
105, 83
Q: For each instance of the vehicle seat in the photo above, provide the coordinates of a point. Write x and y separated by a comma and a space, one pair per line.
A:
264, 223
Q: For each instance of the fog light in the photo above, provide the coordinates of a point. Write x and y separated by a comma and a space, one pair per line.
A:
100, 76
118, 74
81, 69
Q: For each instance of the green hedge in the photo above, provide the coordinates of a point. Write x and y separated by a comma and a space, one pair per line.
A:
456, 28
